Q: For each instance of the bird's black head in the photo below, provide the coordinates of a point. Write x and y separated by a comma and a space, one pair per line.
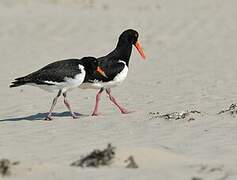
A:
129, 36
90, 63
92, 66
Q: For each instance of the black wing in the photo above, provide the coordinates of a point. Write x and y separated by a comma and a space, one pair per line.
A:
55, 72
111, 68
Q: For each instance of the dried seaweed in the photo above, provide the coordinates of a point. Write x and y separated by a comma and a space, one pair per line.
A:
196, 178
207, 169
97, 158
174, 115
232, 110
131, 162
5, 166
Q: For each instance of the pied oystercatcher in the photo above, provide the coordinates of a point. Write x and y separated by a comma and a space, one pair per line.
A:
61, 76
115, 66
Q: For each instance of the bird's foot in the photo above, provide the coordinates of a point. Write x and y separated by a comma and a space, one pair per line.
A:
75, 117
48, 118
125, 111
96, 114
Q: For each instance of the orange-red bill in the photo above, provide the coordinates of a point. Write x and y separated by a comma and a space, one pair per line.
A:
99, 70
140, 50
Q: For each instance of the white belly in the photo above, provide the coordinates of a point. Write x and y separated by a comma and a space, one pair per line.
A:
113, 83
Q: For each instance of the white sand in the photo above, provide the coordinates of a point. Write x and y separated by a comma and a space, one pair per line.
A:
191, 64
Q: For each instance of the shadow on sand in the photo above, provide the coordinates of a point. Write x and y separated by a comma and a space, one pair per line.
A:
41, 116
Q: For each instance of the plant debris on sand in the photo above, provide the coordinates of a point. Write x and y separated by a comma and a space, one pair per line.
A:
131, 162
196, 178
97, 158
232, 110
218, 170
174, 115
5, 166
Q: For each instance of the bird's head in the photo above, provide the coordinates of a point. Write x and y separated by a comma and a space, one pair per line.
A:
130, 36
92, 66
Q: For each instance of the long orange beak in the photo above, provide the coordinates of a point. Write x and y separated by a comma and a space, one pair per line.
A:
99, 70
140, 50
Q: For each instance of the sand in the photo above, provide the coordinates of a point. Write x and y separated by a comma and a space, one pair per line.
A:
191, 65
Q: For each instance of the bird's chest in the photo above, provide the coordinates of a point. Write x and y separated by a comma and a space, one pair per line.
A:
121, 76
117, 73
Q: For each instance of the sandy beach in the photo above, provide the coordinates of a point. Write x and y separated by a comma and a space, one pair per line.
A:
191, 66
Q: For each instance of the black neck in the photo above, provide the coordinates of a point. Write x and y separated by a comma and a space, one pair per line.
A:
122, 51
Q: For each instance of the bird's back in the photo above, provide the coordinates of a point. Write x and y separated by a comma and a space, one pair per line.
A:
53, 72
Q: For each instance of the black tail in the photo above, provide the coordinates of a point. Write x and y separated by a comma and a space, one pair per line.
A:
18, 82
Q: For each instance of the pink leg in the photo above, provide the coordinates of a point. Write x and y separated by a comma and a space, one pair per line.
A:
122, 109
95, 112
68, 106
49, 116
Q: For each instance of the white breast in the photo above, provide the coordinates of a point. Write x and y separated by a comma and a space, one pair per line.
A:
122, 75
115, 82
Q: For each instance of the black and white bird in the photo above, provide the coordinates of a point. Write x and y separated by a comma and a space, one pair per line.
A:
115, 65
61, 76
